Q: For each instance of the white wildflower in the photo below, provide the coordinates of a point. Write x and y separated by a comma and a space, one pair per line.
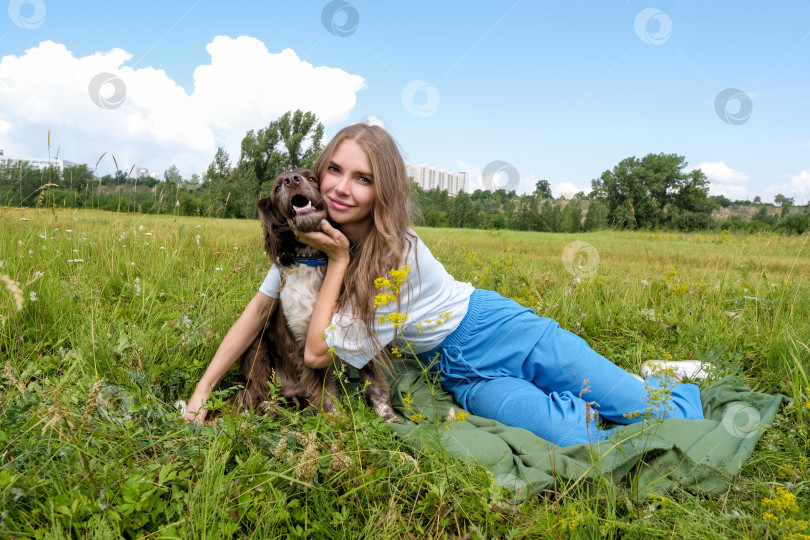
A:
33, 296
198, 239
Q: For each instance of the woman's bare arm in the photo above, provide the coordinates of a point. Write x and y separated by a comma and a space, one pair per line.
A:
235, 343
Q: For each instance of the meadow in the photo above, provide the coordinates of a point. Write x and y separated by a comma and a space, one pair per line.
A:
107, 318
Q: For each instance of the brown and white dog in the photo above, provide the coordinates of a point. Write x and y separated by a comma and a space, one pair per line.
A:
279, 348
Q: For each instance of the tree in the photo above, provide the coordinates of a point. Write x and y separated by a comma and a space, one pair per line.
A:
462, 211
293, 140
721, 200
542, 189
597, 216
757, 200
781, 200
172, 175
637, 192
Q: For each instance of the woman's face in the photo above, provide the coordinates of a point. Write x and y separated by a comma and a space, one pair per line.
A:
348, 189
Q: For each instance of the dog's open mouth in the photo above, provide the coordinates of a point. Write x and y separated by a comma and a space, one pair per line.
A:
301, 205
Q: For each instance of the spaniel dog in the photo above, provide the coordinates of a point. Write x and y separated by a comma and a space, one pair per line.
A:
279, 349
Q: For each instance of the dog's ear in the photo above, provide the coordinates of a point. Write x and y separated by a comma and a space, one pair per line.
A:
274, 227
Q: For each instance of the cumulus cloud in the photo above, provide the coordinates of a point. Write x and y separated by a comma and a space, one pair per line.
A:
567, 189
720, 173
245, 86
723, 180
798, 188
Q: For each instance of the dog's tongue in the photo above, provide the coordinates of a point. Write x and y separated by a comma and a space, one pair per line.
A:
304, 209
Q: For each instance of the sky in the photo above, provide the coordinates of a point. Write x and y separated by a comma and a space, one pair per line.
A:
534, 89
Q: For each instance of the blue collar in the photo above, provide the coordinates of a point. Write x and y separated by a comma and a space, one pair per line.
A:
315, 261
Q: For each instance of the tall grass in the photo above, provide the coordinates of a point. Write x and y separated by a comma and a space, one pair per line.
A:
121, 314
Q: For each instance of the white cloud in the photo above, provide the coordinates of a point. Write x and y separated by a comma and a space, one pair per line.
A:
373, 120
720, 173
798, 188
723, 180
244, 87
567, 188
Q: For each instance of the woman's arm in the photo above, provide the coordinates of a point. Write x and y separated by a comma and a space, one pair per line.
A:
336, 246
236, 342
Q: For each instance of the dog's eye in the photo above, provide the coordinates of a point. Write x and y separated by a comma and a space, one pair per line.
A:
278, 188
313, 179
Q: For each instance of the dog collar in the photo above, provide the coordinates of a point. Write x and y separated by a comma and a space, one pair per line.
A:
313, 261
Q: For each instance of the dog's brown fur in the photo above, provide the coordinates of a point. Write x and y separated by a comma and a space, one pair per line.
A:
276, 351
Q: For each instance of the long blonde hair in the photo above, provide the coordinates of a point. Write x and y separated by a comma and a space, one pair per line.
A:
389, 237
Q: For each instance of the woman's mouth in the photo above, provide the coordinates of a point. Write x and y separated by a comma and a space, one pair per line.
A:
339, 205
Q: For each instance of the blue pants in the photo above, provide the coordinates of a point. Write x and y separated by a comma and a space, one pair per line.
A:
506, 363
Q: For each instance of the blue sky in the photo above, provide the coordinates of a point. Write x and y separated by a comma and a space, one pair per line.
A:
560, 90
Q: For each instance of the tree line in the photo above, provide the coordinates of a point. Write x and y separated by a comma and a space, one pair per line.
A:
654, 192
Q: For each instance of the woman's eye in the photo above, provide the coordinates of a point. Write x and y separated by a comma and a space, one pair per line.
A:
364, 180
332, 169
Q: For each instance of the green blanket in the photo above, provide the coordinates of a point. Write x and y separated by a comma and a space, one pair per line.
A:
649, 456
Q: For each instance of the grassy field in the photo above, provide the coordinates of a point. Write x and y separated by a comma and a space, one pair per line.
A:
106, 319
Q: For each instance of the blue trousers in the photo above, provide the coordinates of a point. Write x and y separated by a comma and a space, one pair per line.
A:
506, 363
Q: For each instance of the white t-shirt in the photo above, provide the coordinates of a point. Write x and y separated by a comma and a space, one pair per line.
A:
433, 300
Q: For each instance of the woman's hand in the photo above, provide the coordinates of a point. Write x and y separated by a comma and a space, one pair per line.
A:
331, 241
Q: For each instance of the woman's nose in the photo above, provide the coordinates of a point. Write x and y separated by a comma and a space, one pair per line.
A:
343, 185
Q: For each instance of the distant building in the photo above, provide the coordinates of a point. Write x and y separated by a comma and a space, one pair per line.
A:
430, 177
39, 163
143, 172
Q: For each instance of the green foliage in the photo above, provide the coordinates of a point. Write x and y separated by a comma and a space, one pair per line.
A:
639, 192
597, 216
122, 313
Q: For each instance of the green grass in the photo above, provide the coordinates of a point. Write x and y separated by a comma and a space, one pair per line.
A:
90, 446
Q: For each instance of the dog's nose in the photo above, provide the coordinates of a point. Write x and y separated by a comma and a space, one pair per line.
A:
292, 179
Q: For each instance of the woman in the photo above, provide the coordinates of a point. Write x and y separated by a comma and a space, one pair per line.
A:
499, 359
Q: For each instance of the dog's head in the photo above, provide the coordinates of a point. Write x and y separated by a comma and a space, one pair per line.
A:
295, 196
